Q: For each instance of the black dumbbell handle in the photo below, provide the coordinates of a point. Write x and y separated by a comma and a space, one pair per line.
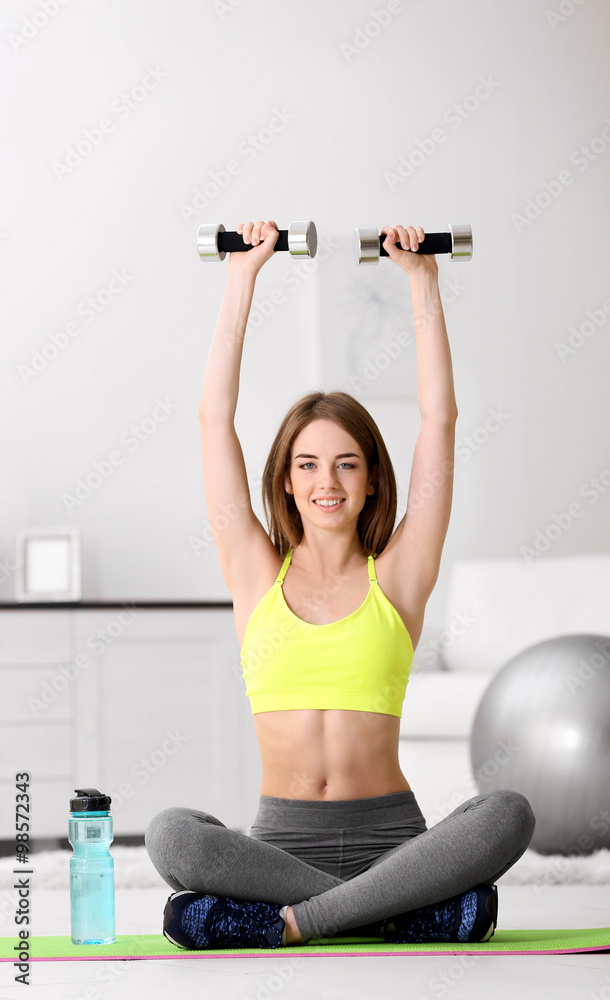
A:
234, 242
433, 243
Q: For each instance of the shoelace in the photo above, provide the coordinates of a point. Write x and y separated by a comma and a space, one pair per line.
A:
244, 923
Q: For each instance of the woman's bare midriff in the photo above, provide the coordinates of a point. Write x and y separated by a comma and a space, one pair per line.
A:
329, 754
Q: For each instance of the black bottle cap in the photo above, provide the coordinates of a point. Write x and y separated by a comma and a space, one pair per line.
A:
90, 800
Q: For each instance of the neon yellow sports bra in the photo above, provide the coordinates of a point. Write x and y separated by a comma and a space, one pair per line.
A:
361, 662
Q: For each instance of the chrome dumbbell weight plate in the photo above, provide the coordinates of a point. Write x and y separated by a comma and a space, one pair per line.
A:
207, 241
302, 239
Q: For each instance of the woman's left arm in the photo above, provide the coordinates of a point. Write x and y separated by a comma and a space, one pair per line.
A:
418, 540
435, 390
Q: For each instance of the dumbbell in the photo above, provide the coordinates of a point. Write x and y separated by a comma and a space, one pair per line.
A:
457, 242
213, 241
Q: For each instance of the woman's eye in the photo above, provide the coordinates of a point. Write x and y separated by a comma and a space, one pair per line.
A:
349, 464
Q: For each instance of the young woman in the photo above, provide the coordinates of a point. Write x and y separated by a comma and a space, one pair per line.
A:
329, 607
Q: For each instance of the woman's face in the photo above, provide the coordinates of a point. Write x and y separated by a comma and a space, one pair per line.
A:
326, 461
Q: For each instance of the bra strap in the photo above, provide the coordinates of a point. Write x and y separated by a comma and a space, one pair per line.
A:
372, 574
284, 568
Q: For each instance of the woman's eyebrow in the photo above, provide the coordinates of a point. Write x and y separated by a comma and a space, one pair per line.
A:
347, 454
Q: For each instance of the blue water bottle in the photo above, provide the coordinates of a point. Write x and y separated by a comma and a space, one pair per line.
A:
91, 868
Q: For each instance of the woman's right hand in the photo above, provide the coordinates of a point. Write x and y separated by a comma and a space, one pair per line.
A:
263, 236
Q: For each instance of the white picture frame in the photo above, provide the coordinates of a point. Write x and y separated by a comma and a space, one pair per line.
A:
48, 565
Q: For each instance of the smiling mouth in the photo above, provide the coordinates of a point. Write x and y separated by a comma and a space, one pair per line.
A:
331, 504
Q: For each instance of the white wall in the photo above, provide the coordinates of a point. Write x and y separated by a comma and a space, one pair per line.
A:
224, 69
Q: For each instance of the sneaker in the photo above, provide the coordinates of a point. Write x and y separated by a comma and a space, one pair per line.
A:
470, 916
195, 920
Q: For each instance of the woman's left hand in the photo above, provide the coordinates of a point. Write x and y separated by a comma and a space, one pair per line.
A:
400, 243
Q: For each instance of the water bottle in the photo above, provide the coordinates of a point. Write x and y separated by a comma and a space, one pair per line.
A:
91, 868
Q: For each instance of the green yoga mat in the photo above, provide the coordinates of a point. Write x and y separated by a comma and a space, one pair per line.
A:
155, 946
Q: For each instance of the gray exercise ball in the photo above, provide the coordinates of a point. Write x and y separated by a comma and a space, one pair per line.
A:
542, 728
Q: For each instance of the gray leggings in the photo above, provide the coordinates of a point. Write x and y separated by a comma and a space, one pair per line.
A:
343, 864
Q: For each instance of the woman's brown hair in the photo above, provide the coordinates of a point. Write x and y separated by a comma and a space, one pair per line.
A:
376, 520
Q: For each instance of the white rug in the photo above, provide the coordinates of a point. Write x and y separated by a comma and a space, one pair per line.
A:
133, 869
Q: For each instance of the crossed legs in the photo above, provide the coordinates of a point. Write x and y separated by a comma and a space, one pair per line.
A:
476, 843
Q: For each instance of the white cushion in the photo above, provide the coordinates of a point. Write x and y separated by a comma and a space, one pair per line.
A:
498, 607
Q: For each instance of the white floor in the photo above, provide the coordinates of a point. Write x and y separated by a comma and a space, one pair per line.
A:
585, 976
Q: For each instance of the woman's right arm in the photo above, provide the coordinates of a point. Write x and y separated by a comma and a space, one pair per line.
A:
221, 380
240, 539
